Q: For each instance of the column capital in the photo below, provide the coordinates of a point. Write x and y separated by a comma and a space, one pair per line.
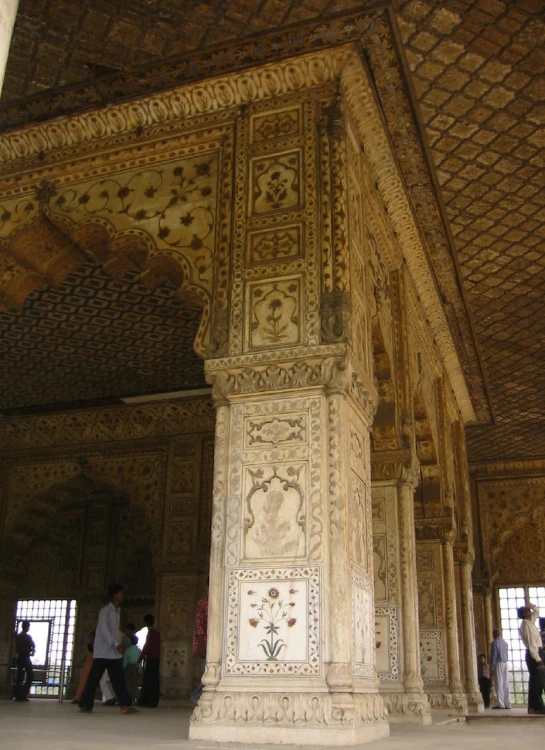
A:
435, 529
399, 465
330, 367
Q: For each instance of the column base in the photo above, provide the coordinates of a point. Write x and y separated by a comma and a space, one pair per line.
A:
475, 701
453, 701
407, 706
327, 719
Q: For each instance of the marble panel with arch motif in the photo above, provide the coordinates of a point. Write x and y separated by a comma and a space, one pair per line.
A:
274, 313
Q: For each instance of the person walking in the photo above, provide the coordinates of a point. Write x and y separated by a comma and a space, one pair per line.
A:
86, 669
151, 653
24, 648
499, 656
531, 638
107, 654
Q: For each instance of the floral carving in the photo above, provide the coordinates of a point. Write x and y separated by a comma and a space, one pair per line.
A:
276, 183
272, 613
276, 125
275, 314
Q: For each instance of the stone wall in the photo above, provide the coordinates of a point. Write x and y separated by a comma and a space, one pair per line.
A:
121, 493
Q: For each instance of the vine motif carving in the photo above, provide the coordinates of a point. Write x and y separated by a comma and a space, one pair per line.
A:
289, 709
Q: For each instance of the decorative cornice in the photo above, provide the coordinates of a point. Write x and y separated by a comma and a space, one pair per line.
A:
177, 105
393, 190
492, 469
200, 66
107, 424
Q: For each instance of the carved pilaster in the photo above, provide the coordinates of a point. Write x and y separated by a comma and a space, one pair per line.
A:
414, 702
451, 624
465, 560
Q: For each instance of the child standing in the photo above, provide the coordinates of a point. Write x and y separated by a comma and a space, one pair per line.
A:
132, 668
483, 671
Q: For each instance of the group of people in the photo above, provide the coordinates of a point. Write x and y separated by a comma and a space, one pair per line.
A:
496, 673
114, 660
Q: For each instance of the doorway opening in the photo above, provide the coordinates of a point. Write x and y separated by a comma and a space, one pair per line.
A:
509, 600
52, 627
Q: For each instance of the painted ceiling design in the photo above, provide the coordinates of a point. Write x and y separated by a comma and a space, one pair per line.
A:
97, 338
477, 72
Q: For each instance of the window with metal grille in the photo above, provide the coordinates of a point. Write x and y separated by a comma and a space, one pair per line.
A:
509, 600
52, 627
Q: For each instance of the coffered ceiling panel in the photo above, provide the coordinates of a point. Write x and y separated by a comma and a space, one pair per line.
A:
96, 339
476, 69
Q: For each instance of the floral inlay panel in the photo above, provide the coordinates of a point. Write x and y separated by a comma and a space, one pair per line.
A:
277, 124
387, 643
275, 318
432, 656
363, 626
273, 622
278, 244
276, 183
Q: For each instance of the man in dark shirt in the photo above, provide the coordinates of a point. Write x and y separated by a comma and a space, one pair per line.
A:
24, 648
149, 693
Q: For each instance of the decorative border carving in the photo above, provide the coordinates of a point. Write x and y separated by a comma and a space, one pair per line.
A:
312, 666
228, 91
107, 424
393, 643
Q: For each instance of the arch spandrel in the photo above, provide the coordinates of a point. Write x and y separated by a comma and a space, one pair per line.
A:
161, 221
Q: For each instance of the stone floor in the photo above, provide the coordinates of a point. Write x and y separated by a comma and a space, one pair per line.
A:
45, 725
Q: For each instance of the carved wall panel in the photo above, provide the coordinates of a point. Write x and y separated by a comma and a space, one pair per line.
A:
386, 582
512, 523
363, 626
431, 612
136, 506
274, 245
281, 458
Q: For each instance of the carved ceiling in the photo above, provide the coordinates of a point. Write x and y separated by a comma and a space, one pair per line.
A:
477, 71
95, 337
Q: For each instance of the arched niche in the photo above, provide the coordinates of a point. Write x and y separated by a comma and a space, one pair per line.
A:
79, 536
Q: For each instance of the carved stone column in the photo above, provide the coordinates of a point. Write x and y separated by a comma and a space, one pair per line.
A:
417, 701
291, 654
474, 697
458, 698
8, 597
8, 11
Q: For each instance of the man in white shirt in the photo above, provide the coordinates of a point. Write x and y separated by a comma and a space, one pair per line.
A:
499, 656
532, 640
108, 654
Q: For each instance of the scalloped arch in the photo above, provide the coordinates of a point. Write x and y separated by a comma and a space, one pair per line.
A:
48, 248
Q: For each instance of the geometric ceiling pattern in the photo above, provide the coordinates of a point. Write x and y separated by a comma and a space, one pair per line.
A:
96, 339
477, 73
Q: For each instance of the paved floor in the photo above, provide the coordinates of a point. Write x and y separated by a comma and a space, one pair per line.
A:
44, 725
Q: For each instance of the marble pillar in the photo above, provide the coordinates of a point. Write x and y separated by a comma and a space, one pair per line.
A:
469, 655
416, 699
8, 12
457, 696
291, 655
